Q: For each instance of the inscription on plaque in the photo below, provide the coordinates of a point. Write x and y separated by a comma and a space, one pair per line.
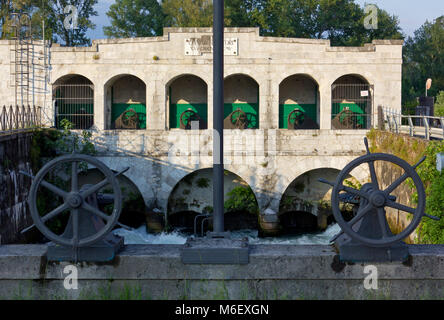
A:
204, 44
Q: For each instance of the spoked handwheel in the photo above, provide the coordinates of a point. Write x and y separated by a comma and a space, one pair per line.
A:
238, 118
378, 199
296, 117
75, 200
129, 118
346, 118
187, 117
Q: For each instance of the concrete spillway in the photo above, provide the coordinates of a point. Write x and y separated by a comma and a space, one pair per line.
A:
274, 272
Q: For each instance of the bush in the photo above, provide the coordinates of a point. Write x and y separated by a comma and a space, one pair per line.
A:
439, 104
241, 199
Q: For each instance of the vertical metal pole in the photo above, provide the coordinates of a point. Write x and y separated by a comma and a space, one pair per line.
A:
218, 112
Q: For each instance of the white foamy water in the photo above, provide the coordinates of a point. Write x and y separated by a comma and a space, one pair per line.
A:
140, 236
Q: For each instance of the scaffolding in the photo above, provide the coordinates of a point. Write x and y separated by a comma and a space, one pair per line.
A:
30, 61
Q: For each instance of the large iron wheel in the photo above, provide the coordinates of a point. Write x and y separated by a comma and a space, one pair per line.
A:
130, 119
75, 200
296, 117
238, 118
187, 117
378, 199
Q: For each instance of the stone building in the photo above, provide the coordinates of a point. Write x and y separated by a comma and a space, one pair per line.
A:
300, 104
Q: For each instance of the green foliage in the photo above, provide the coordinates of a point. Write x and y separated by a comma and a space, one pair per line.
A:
341, 21
48, 144
423, 59
69, 142
135, 18
203, 183
432, 231
188, 13
439, 104
241, 199
208, 209
353, 184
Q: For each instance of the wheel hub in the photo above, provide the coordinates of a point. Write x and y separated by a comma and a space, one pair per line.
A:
378, 199
75, 200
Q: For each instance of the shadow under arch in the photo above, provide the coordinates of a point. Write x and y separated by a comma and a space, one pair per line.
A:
73, 100
305, 205
133, 204
299, 92
241, 91
125, 102
193, 195
187, 100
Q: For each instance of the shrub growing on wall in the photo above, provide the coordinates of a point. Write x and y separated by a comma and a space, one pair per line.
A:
241, 199
432, 231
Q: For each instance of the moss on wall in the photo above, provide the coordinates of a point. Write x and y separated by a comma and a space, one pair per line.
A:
412, 150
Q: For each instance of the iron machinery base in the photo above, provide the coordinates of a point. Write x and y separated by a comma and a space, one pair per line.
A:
102, 251
352, 251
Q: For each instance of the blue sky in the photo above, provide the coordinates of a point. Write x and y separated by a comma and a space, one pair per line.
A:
411, 13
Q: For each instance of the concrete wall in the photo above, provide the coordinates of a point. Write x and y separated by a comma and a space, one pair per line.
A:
15, 152
273, 272
268, 160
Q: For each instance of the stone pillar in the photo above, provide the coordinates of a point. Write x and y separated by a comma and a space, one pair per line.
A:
159, 107
150, 105
99, 107
267, 106
325, 107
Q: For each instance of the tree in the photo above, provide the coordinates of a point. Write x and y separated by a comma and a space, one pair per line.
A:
7, 7
439, 104
135, 18
341, 21
188, 13
59, 19
423, 59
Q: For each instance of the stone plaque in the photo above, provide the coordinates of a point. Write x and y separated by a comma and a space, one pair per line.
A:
204, 44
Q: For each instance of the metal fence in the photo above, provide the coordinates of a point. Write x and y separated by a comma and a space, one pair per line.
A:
352, 106
415, 125
16, 118
75, 103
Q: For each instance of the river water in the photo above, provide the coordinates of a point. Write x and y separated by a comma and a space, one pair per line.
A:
140, 236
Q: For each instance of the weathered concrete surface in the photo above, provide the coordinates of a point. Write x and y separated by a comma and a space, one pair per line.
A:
14, 187
274, 272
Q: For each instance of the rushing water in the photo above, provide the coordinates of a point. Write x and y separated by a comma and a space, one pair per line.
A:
140, 236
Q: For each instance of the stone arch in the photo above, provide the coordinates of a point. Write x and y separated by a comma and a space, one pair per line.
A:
241, 91
301, 92
122, 93
133, 204
187, 92
193, 195
307, 195
352, 102
73, 100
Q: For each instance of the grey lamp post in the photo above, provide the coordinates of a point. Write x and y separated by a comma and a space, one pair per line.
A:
218, 121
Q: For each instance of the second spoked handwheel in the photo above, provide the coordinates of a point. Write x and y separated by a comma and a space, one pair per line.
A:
378, 199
